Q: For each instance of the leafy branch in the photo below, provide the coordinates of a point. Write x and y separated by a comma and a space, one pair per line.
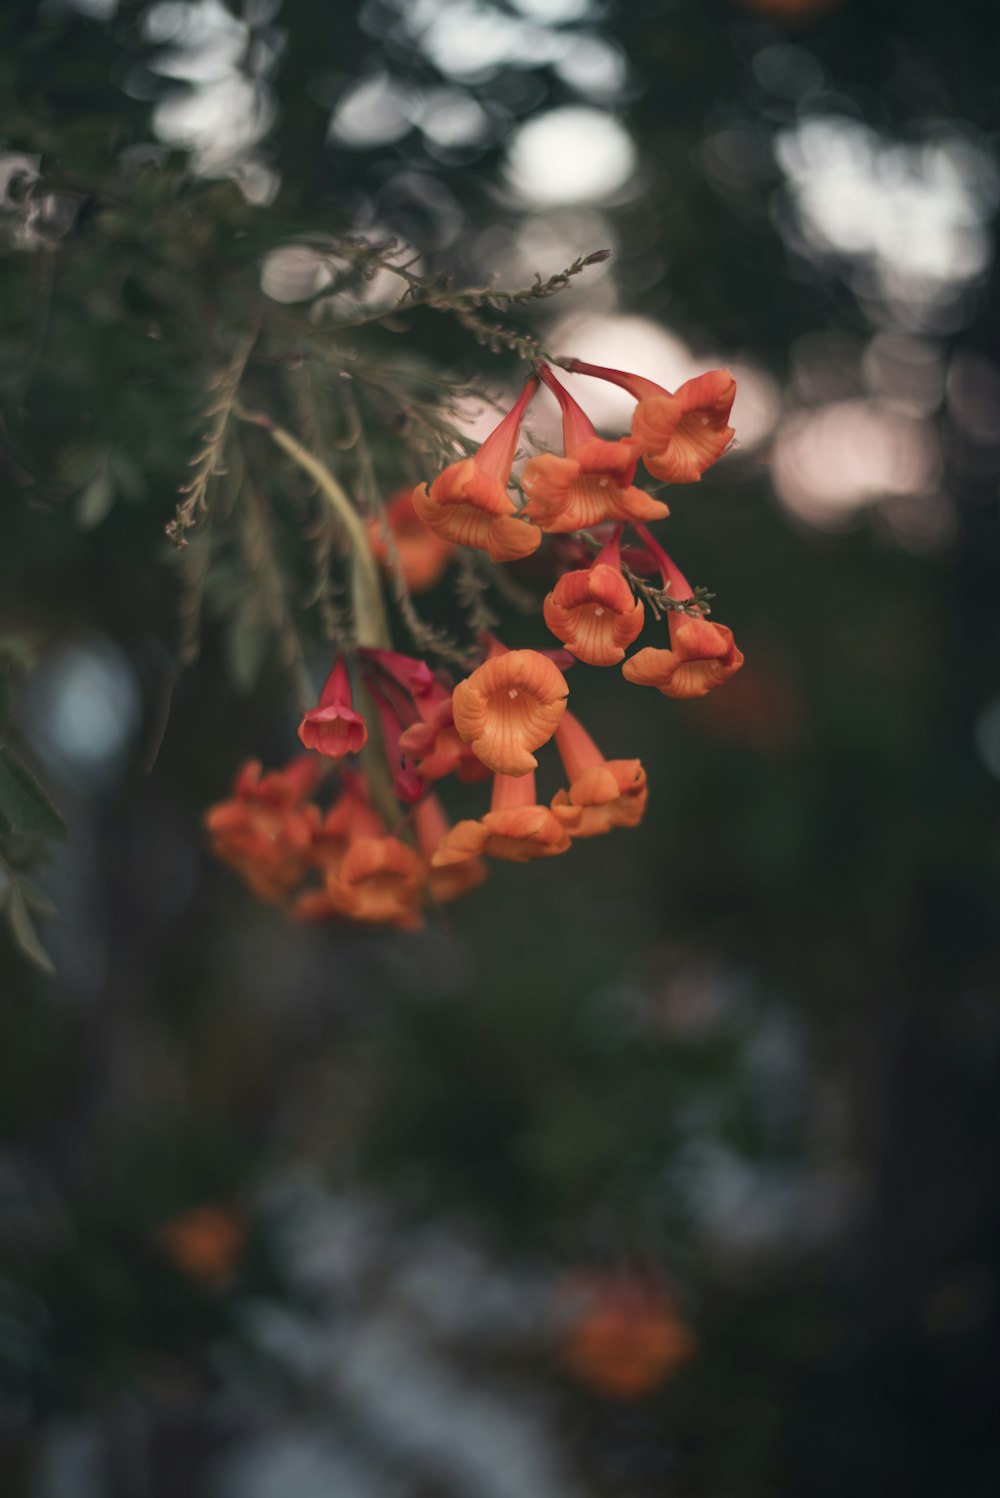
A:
207, 462
26, 815
660, 599
439, 294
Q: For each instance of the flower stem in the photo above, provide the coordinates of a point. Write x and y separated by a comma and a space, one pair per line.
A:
371, 624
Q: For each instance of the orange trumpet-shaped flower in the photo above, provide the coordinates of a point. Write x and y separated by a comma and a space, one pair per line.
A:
682, 434
510, 705
447, 881
430, 742
333, 727
702, 655
420, 555
350, 817
627, 1339
378, 881
606, 792
592, 611
468, 503
516, 827
591, 483
264, 831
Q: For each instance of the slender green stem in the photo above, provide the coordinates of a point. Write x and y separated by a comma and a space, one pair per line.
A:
371, 624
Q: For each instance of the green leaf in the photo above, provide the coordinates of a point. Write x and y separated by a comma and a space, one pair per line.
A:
22, 929
4, 697
248, 640
95, 500
128, 478
24, 806
38, 903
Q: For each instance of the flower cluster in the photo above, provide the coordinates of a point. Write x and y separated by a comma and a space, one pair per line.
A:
372, 843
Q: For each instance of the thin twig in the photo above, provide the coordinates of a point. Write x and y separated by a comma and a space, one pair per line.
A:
225, 387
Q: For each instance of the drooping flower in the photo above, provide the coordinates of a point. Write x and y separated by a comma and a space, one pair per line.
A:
429, 742
368, 875
626, 1338
607, 792
680, 434
420, 555
468, 503
405, 672
408, 785
510, 705
451, 880
378, 882
591, 482
702, 655
437, 748
333, 727
351, 816
593, 611
515, 828
265, 830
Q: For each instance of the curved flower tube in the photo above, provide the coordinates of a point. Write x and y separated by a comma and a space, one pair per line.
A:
682, 434
591, 483
703, 654
607, 792
468, 503
516, 827
448, 881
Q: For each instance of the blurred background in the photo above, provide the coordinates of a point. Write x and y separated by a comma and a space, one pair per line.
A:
669, 1169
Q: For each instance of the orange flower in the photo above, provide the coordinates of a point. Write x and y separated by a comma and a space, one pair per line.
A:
349, 818
703, 655
265, 831
682, 434
591, 483
468, 503
437, 748
515, 828
607, 792
430, 742
510, 705
627, 1339
203, 1243
420, 555
593, 612
334, 728
378, 882
450, 880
